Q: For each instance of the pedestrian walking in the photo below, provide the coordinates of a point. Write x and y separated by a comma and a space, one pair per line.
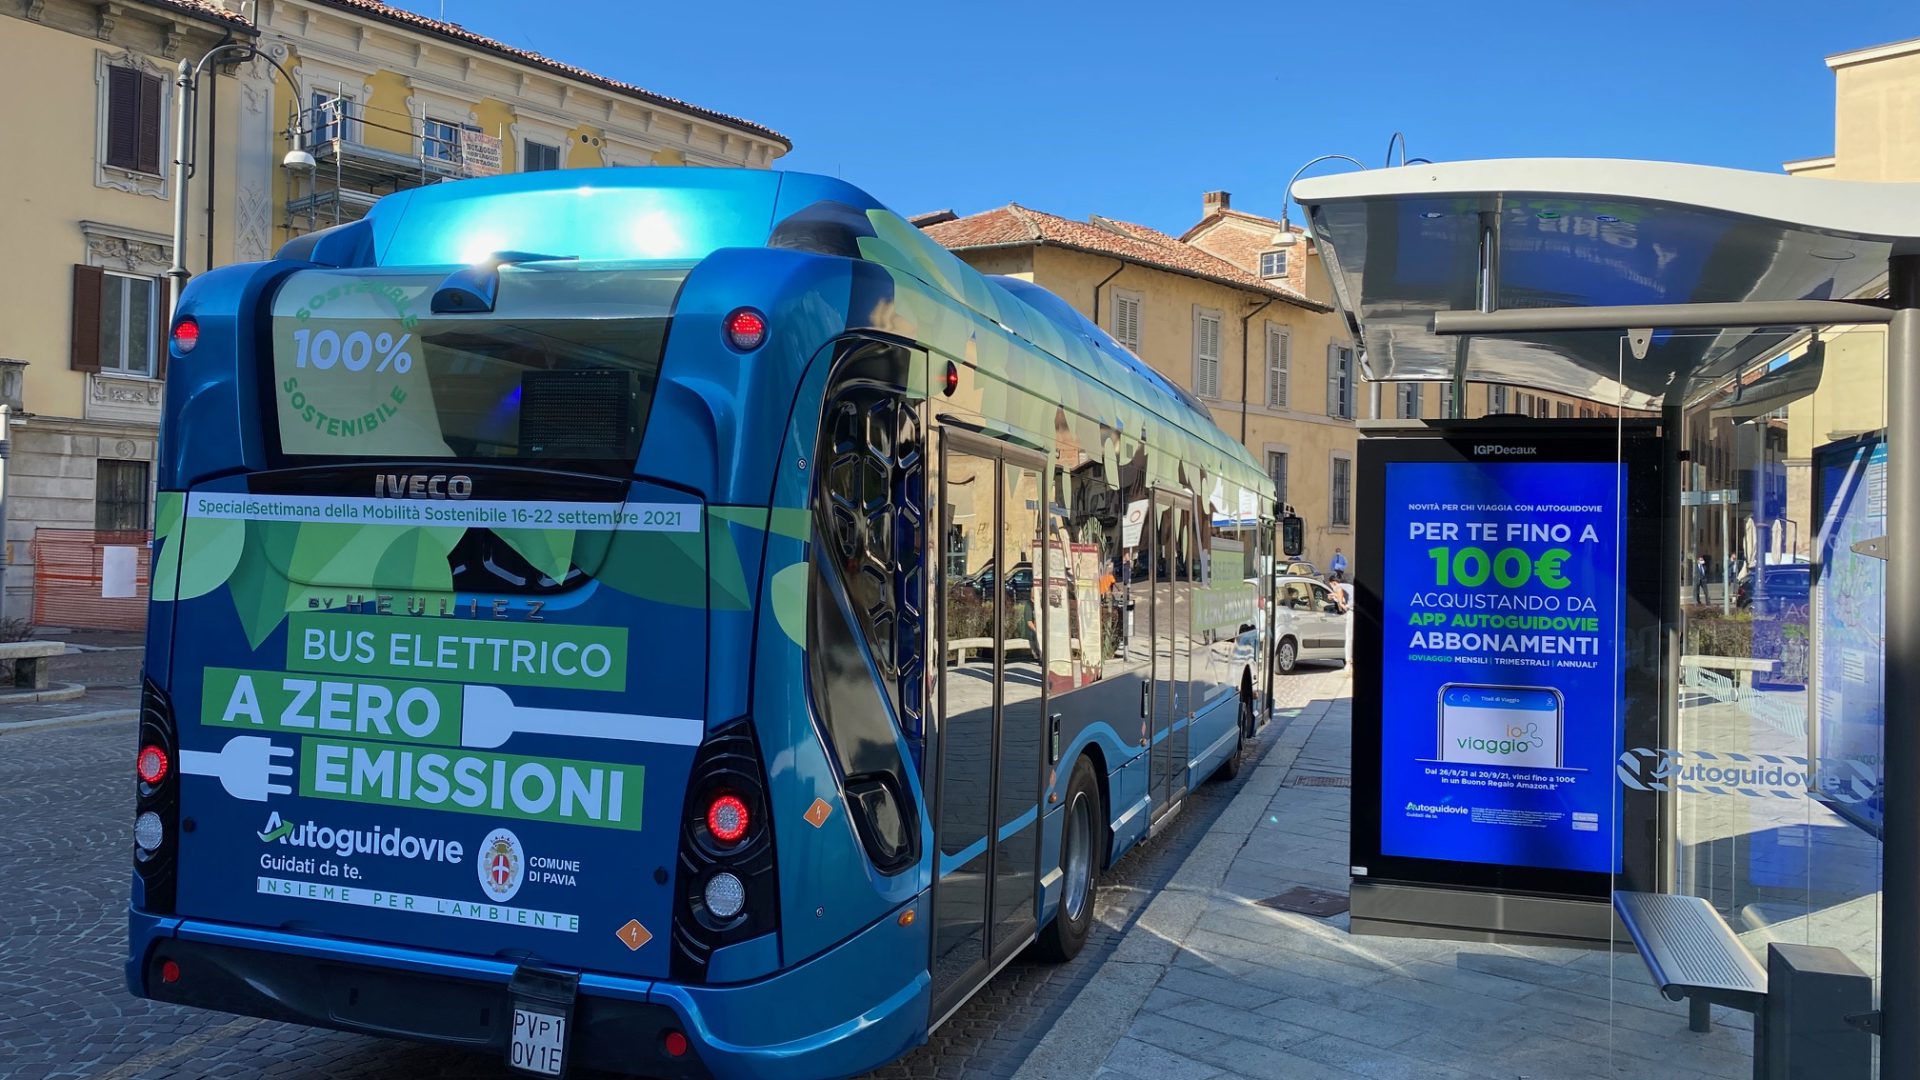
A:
1343, 596
1339, 563
1700, 580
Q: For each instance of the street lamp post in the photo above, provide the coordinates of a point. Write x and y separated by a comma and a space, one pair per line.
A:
187, 82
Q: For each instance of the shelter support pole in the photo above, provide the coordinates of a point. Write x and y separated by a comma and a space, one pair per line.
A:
1674, 577
1900, 900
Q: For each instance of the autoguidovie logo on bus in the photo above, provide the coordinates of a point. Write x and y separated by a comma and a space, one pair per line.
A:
502, 864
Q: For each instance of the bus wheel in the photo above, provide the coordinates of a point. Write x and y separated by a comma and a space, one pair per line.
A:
1288, 655
1230, 768
1081, 829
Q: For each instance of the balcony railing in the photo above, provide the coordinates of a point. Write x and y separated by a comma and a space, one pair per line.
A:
363, 153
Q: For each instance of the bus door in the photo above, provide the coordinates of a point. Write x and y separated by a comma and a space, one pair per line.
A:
1175, 566
989, 745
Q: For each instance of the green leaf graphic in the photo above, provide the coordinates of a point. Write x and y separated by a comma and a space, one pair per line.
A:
549, 550
209, 550
789, 590
417, 560
340, 554
258, 587
669, 568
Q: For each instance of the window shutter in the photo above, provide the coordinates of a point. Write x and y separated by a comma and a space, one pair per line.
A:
1334, 397
123, 114
162, 326
87, 283
1279, 363
149, 158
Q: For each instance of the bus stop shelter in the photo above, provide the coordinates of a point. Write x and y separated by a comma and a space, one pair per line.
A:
1772, 327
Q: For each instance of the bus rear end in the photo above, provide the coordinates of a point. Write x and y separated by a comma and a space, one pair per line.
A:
445, 731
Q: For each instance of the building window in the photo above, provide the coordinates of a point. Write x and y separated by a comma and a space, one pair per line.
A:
1277, 468
127, 323
1523, 403
1279, 365
1446, 400
1126, 319
1407, 401
1496, 400
1340, 507
1540, 407
133, 120
1563, 410
1206, 353
538, 157
120, 496
332, 117
1339, 382
1273, 264
440, 140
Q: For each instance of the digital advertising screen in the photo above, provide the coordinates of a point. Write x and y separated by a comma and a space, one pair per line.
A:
1501, 622
1850, 494
1499, 592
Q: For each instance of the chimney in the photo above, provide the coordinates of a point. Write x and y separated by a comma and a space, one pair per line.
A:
1215, 200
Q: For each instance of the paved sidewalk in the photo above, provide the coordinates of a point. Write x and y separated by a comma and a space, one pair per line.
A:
106, 664
1208, 985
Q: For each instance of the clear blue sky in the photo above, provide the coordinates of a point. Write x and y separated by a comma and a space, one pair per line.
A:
1134, 107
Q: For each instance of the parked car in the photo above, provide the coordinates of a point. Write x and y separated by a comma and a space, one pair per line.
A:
1786, 585
1018, 584
1308, 624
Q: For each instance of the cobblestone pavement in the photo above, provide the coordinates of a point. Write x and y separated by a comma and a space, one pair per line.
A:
64, 802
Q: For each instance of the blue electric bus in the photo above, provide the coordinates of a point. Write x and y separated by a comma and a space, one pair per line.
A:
676, 621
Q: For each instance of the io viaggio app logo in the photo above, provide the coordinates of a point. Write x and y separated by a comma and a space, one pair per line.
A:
1519, 739
1500, 725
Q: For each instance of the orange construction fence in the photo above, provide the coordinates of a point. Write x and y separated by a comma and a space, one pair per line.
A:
91, 580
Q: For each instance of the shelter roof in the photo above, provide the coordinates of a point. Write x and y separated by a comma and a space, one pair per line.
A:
1403, 244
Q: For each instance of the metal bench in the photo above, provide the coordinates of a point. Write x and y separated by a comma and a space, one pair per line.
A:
1692, 954
960, 647
30, 661
1743, 668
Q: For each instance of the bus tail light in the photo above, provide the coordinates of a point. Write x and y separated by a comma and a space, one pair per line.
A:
186, 334
156, 808
727, 819
151, 764
746, 329
727, 890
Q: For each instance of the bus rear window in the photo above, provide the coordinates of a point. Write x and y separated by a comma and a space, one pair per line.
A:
561, 372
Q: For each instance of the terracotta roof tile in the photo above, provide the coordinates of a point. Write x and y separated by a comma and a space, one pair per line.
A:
1014, 225
206, 9
378, 9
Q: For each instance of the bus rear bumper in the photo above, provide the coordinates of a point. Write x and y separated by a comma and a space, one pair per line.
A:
835, 1015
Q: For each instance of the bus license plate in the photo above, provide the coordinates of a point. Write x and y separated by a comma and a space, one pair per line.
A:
539, 1042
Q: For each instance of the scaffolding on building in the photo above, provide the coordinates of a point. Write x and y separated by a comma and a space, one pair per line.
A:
356, 163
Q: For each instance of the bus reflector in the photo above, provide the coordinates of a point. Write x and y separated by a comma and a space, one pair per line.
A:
151, 764
169, 971
186, 334
725, 896
675, 1044
746, 329
727, 819
148, 832
952, 379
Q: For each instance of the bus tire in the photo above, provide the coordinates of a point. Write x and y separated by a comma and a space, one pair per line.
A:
1082, 845
1287, 657
1230, 768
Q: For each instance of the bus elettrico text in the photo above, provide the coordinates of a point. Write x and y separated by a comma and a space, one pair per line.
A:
676, 621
